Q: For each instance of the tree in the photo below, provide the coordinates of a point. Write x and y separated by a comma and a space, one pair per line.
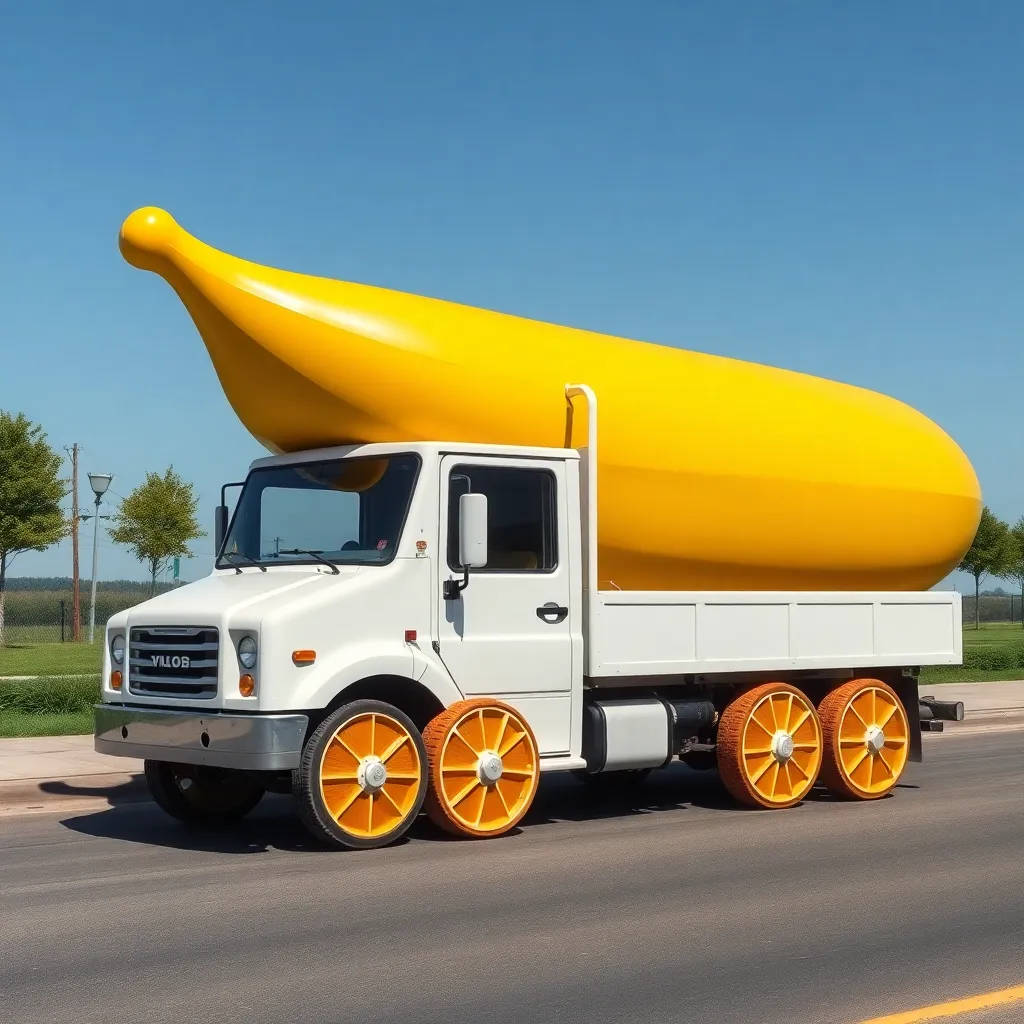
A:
1014, 569
990, 552
157, 520
31, 490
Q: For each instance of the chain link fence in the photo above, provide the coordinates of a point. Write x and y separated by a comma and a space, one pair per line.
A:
993, 608
34, 617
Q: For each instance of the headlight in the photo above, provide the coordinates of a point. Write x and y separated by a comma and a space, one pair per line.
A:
117, 650
247, 652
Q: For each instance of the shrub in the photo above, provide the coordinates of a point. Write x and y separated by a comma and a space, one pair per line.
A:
995, 656
55, 695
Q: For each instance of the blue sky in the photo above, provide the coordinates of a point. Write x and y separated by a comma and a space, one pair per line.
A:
833, 188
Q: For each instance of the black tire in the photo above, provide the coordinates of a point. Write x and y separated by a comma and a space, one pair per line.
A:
201, 795
613, 781
306, 786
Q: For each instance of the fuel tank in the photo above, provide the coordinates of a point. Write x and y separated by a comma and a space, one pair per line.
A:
714, 473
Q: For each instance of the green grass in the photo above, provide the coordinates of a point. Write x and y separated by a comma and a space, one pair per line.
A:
939, 674
993, 633
992, 653
41, 659
15, 724
56, 706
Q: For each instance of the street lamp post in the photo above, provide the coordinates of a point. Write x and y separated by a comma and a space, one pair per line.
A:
99, 482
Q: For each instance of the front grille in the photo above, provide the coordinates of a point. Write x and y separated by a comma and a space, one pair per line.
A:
173, 661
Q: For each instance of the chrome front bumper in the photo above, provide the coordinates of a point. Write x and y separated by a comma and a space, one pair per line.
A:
225, 740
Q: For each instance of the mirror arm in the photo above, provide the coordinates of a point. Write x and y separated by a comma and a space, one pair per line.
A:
453, 588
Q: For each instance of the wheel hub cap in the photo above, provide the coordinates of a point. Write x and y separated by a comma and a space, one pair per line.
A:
875, 739
782, 747
372, 774
489, 768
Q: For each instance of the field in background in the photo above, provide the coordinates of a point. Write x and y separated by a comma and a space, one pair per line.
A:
48, 659
40, 611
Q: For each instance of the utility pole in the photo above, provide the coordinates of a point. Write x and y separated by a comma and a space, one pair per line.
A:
76, 617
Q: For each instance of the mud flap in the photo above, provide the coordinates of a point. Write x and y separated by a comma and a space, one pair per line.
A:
906, 688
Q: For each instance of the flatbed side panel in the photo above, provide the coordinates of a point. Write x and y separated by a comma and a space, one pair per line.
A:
666, 633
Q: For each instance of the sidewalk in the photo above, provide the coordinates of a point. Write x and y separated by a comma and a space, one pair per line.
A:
981, 700
56, 772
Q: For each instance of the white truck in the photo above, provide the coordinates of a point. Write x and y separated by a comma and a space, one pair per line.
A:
396, 628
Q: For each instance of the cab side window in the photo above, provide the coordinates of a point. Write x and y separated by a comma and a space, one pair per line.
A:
521, 517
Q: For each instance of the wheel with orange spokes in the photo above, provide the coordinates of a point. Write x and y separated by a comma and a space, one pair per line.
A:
484, 768
363, 776
769, 746
867, 739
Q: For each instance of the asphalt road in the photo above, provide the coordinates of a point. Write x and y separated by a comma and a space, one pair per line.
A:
671, 907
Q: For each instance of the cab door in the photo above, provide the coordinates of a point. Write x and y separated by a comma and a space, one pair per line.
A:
508, 634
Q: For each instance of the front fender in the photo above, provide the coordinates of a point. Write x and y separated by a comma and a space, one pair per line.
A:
320, 684
317, 685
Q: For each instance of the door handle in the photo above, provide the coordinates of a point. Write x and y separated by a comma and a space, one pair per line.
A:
552, 613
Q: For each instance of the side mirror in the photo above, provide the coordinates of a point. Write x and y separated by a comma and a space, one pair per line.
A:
472, 542
220, 527
473, 531
222, 518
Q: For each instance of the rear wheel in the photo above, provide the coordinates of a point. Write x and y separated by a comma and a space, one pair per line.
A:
770, 746
199, 794
867, 739
362, 777
484, 768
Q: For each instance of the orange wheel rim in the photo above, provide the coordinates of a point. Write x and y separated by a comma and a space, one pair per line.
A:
487, 771
370, 775
782, 747
873, 740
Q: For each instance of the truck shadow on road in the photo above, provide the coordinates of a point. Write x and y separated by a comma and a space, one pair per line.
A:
275, 825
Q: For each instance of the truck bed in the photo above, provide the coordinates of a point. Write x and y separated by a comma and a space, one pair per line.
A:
635, 633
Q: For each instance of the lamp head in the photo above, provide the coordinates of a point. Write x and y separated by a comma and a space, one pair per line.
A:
99, 482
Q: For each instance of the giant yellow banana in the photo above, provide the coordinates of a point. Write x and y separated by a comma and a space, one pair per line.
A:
714, 473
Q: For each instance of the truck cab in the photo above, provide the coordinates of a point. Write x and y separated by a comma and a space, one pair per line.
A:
339, 578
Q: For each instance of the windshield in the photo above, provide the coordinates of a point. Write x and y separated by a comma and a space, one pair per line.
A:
349, 511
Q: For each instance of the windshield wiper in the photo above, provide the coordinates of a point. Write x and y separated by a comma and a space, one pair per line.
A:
230, 557
318, 555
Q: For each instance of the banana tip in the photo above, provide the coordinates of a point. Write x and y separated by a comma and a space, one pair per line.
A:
147, 237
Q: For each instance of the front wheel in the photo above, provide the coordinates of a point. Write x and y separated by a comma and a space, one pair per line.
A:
200, 794
363, 776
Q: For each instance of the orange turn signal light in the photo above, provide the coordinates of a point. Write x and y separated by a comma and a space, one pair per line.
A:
246, 685
303, 657
115, 680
